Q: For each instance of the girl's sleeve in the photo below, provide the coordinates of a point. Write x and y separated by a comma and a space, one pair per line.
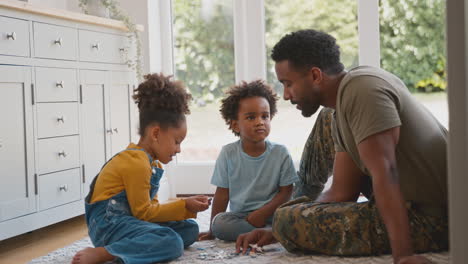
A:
137, 184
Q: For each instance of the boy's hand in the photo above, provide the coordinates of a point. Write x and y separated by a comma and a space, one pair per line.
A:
197, 203
256, 218
205, 236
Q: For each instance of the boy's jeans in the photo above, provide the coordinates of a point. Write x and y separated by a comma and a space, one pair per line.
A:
228, 226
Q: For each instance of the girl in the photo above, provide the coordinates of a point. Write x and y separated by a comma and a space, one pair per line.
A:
124, 218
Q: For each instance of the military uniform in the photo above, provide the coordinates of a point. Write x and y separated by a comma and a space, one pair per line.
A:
369, 101
317, 158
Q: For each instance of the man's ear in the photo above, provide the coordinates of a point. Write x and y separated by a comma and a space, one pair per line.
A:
234, 126
317, 74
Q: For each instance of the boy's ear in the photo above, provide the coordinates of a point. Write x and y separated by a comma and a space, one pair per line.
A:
235, 126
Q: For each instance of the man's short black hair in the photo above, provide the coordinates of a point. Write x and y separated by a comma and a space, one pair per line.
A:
309, 48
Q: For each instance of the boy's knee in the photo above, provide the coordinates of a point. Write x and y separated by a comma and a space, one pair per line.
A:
221, 229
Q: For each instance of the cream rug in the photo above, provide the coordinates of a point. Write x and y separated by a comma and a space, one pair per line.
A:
217, 251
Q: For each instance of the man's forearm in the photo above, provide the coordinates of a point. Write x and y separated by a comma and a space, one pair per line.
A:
325, 197
395, 217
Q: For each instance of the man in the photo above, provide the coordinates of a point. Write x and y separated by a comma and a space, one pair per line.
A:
388, 147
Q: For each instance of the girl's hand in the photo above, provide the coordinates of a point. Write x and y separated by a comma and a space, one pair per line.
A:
197, 203
202, 198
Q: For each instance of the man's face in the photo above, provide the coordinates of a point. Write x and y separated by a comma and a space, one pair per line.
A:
299, 87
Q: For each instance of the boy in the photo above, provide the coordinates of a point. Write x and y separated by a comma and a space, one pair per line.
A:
253, 174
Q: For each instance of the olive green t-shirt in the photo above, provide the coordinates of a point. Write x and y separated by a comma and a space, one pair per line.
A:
371, 100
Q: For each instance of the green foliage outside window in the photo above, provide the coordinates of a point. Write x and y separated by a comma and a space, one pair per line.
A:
412, 39
338, 18
204, 47
412, 42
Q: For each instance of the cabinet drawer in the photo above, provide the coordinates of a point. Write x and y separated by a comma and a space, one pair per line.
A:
59, 188
14, 38
102, 47
56, 85
56, 154
54, 42
57, 119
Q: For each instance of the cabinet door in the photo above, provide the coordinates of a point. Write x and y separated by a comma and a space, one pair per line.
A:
120, 104
95, 139
17, 188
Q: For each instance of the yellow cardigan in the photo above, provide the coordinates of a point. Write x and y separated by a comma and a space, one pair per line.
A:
130, 170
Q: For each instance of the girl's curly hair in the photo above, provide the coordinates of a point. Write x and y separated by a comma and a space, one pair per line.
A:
230, 104
161, 100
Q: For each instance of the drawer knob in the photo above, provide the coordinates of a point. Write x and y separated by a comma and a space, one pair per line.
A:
59, 84
11, 35
109, 131
62, 154
63, 188
58, 41
95, 46
116, 130
122, 49
61, 119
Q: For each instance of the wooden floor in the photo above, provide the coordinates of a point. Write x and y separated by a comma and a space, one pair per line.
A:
24, 248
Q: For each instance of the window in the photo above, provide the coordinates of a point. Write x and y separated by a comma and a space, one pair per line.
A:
412, 44
204, 61
338, 18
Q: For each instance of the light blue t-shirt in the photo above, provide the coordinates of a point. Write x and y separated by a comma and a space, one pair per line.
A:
253, 181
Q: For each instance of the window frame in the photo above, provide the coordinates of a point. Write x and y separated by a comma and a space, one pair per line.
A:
250, 61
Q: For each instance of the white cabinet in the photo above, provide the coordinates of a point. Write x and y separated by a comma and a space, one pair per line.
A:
17, 188
106, 119
14, 37
120, 105
65, 104
55, 42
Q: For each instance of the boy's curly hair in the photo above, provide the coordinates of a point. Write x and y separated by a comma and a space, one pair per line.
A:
161, 101
230, 104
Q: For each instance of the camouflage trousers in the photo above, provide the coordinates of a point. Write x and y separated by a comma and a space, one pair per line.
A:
343, 229
351, 229
317, 157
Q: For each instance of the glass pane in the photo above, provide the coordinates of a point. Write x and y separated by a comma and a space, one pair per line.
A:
204, 61
412, 43
338, 18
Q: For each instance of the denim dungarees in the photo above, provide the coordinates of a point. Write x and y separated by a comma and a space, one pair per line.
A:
111, 225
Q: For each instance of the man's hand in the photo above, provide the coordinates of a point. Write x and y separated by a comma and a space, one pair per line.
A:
197, 203
205, 236
256, 218
260, 237
414, 260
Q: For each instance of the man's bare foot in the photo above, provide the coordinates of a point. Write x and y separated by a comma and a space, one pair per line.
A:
92, 256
